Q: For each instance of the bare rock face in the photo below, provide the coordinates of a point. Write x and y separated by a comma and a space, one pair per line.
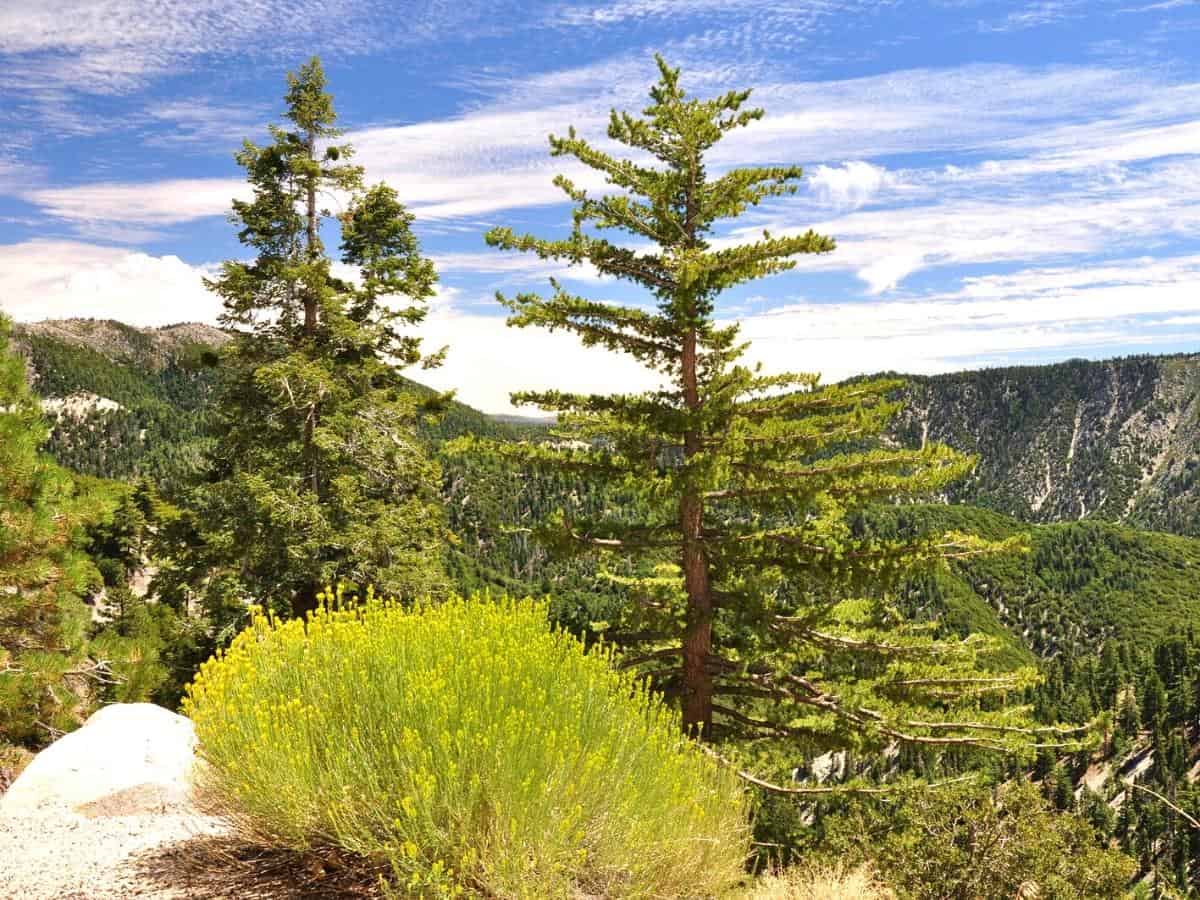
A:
1114, 440
127, 759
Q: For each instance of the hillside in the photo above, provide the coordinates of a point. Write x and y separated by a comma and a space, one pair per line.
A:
1077, 585
1117, 440
127, 402
1110, 440
1077, 459
152, 348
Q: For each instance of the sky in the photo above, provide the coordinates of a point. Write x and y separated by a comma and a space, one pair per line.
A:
1008, 181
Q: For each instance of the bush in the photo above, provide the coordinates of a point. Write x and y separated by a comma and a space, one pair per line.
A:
469, 748
13, 760
972, 843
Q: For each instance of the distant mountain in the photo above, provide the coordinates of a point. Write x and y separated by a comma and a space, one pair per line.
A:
153, 348
1117, 440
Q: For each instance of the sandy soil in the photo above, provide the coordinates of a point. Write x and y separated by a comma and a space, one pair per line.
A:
166, 856
79, 857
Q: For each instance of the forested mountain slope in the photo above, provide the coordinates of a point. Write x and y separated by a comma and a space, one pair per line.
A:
1074, 587
1109, 440
124, 401
1117, 440
1102, 605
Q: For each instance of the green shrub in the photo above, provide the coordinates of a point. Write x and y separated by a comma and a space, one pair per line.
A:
969, 842
468, 747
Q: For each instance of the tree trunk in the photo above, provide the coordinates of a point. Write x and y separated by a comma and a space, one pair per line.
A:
312, 246
697, 637
312, 251
304, 601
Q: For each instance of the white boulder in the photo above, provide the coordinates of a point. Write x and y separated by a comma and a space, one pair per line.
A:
127, 759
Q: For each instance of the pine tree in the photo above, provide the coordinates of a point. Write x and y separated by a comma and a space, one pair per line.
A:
317, 477
46, 681
761, 603
1154, 701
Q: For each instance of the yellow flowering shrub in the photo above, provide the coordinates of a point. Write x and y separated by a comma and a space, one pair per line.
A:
468, 747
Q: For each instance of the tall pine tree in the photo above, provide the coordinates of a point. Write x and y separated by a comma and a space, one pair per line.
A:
317, 477
762, 600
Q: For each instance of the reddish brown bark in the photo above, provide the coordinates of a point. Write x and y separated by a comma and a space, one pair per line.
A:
697, 637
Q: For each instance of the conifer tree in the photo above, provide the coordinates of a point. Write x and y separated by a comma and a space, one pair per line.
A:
762, 601
46, 680
317, 477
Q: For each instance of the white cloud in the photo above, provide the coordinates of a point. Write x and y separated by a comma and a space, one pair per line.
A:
113, 46
45, 279
1046, 121
1161, 6
204, 123
718, 26
1031, 223
851, 184
1031, 15
487, 361
1027, 314
16, 176
989, 319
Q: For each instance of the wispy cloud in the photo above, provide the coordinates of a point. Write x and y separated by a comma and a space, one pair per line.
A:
17, 176
99, 210
885, 246
1032, 15
1161, 6
1058, 156
203, 123
1020, 315
989, 320
55, 54
112, 46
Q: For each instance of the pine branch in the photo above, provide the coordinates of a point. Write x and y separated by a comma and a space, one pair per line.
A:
833, 641
629, 662
1005, 729
1191, 820
823, 790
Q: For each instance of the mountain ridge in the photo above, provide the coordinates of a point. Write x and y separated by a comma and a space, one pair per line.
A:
1116, 440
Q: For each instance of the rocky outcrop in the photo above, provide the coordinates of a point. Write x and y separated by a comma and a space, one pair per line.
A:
127, 758
78, 405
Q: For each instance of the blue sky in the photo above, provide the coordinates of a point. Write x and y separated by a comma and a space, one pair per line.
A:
1008, 180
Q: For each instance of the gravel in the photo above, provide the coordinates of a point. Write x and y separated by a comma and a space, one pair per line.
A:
53, 856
